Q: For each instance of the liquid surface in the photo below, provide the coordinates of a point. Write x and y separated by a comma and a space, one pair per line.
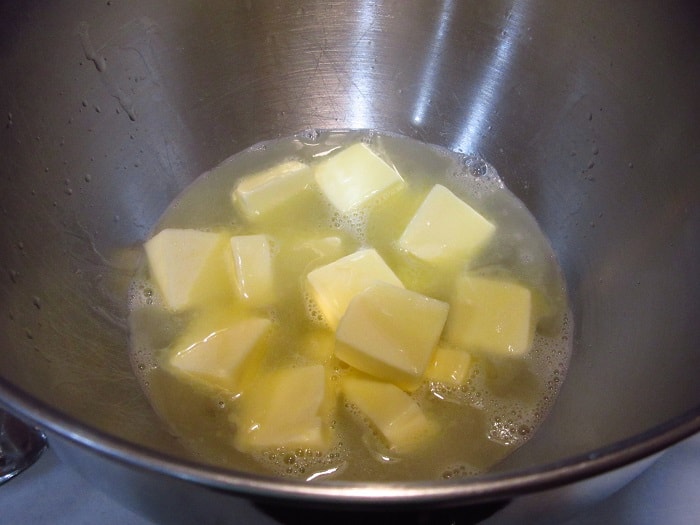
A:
480, 422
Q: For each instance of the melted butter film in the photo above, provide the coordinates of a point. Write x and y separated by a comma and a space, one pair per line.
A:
495, 410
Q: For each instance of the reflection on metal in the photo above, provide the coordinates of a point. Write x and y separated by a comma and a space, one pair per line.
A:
492, 81
20, 446
361, 74
432, 69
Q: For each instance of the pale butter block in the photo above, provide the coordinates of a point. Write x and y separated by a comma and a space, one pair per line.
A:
289, 407
445, 227
491, 316
333, 285
262, 192
390, 333
221, 357
352, 177
252, 269
186, 265
320, 248
394, 413
450, 366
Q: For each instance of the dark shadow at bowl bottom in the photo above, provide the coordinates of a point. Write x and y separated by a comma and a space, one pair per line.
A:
448, 516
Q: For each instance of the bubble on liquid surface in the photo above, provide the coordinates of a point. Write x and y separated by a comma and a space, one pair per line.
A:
305, 463
476, 166
310, 136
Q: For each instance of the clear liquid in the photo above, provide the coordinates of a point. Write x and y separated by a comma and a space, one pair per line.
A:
497, 410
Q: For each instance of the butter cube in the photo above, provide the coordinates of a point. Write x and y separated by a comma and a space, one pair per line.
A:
445, 227
262, 192
333, 285
450, 366
354, 176
186, 265
399, 419
289, 407
491, 316
391, 333
251, 268
313, 249
221, 357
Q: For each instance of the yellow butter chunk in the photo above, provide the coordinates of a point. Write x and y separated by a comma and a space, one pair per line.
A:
399, 419
445, 227
491, 316
311, 252
320, 248
220, 358
289, 407
390, 333
262, 192
354, 176
333, 285
450, 366
187, 266
251, 268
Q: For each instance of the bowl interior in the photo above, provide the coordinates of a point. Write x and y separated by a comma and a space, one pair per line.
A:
588, 110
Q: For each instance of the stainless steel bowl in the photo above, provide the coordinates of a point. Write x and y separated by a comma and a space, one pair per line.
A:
589, 110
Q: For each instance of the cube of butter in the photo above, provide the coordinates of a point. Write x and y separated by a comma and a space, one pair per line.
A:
450, 366
289, 407
313, 249
354, 176
491, 316
186, 265
333, 285
221, 357
445, 227
251, 268
390, 333
399, 419
257, 194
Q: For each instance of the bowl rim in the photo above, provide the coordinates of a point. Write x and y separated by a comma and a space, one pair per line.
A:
479, 489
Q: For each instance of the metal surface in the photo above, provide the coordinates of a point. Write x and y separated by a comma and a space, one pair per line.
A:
589, 110
68, 498
20, 446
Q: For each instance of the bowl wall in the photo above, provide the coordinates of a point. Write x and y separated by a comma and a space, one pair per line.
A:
589, 111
